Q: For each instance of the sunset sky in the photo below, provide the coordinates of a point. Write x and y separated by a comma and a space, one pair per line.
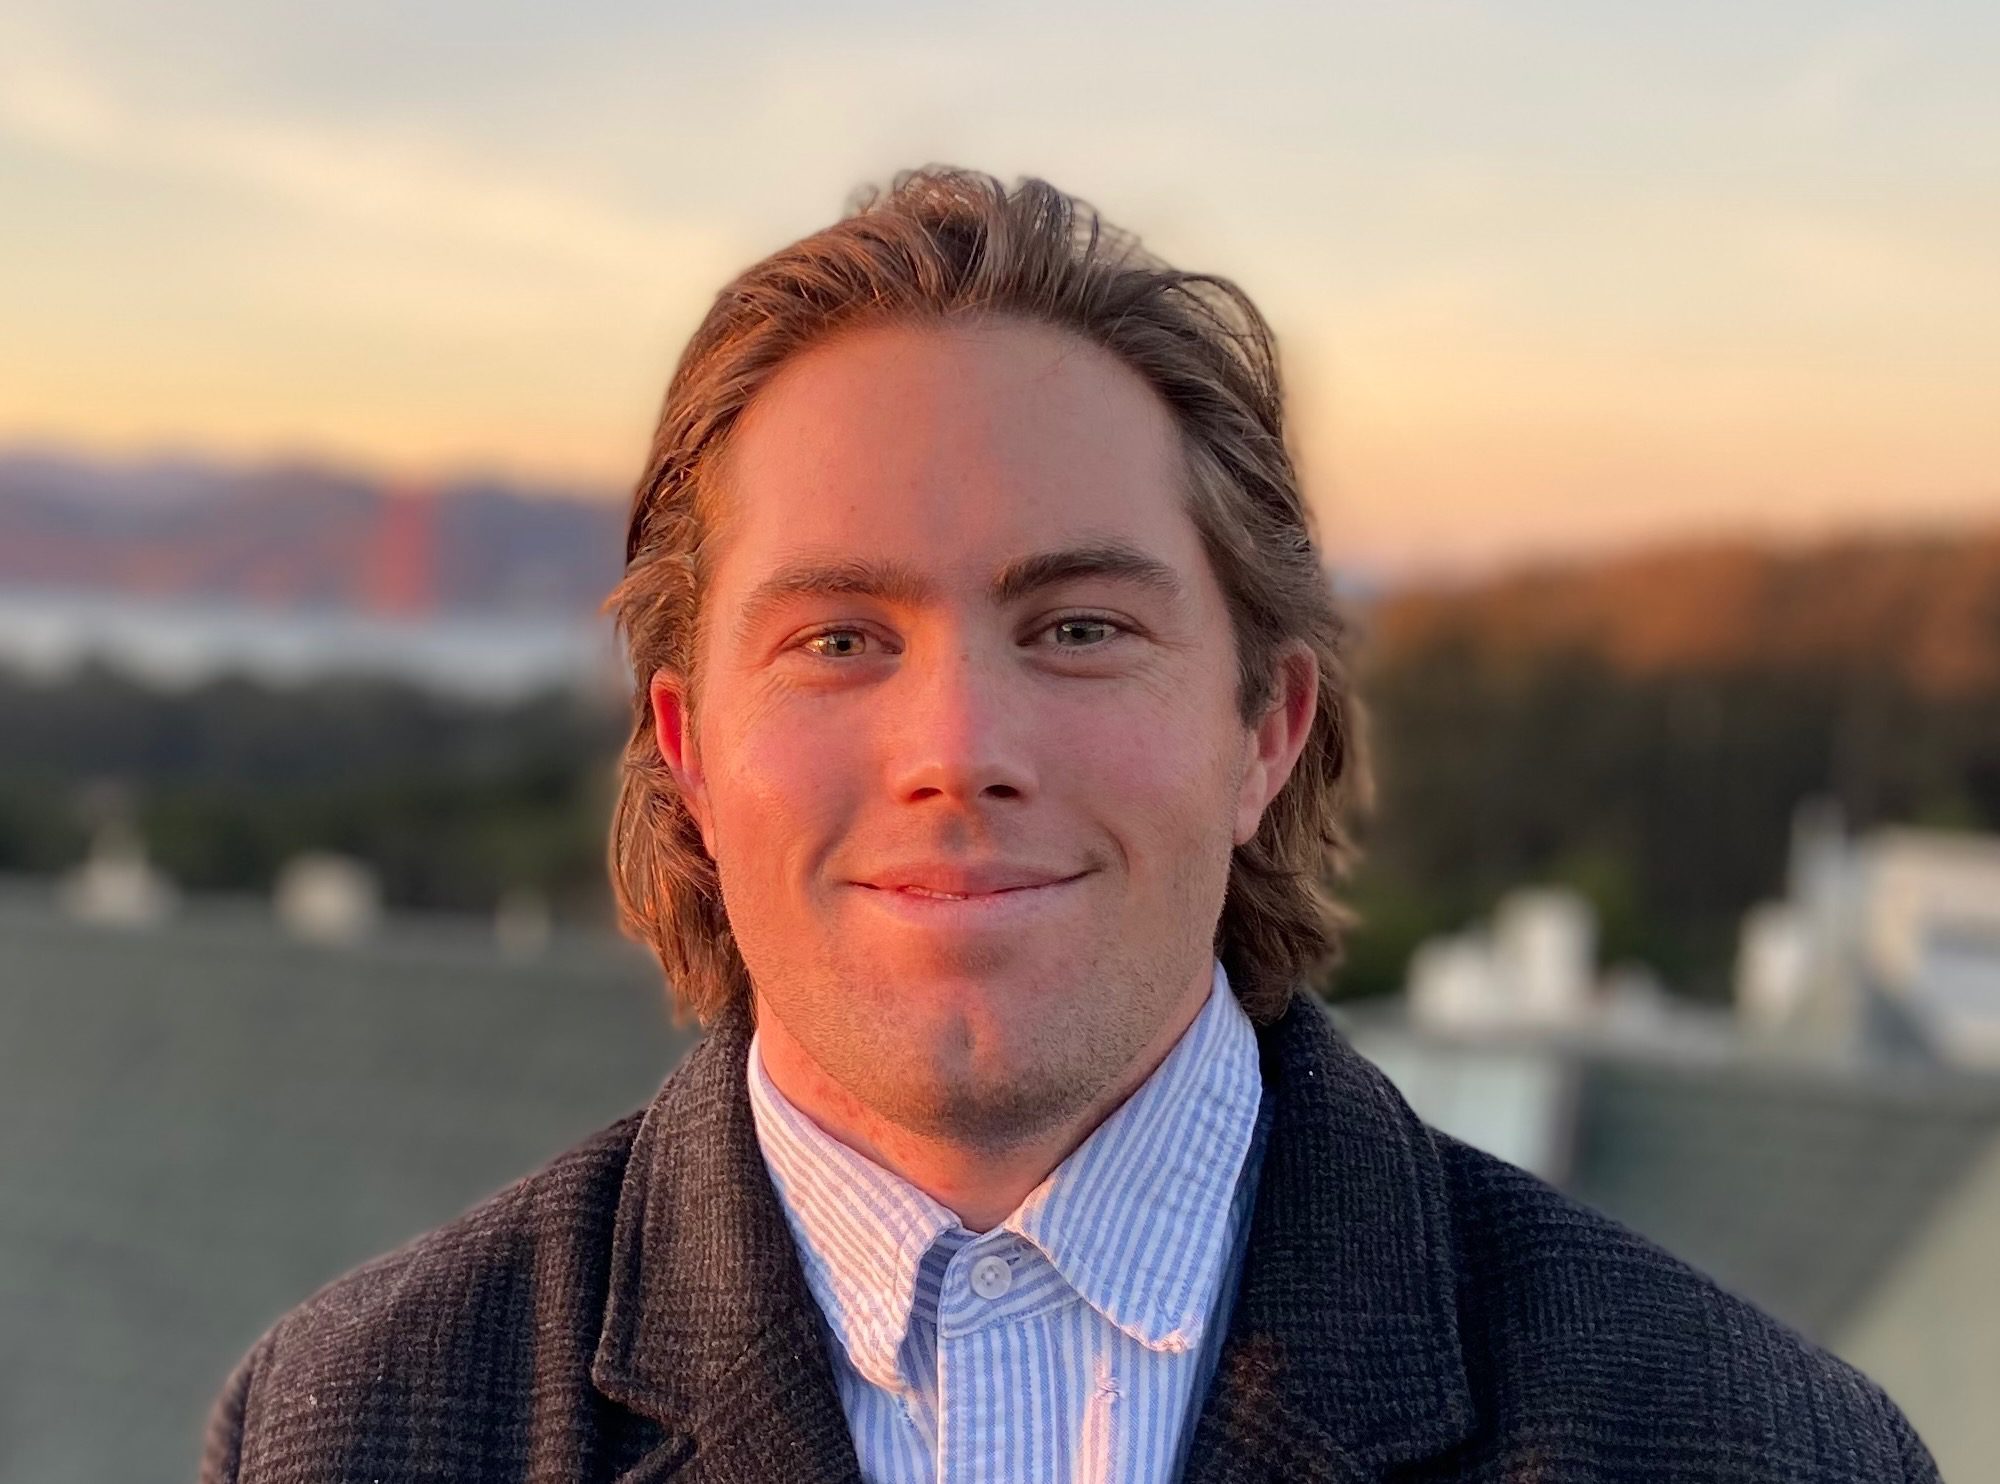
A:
1547, 277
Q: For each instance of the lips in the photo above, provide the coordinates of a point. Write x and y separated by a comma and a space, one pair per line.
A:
1011, 909
957, 883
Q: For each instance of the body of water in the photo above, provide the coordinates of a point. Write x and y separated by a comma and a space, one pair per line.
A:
185, 643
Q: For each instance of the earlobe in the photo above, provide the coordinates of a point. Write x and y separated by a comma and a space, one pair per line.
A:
674, 735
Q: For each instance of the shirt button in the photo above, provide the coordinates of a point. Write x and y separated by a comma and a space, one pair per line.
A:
991, 1277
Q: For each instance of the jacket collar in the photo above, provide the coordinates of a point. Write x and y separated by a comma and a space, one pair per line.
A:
1342, 1355
709, 1329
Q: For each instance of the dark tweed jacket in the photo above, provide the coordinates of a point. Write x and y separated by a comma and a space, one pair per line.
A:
1410, 1309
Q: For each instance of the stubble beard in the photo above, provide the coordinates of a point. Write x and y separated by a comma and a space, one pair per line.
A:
951, 1083
948, 1081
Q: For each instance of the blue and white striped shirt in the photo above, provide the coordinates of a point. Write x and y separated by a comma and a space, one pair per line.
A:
1074, 1342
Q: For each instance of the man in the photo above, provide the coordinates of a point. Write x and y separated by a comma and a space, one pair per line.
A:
991, 745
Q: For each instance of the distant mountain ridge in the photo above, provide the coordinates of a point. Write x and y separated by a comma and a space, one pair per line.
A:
302, 536
1925, 608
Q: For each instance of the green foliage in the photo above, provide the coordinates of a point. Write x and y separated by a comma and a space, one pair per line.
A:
1665, 800
453, 802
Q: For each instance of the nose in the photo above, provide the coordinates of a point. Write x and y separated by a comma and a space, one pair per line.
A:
959, 726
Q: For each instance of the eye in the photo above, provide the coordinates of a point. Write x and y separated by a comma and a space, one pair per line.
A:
849, 634
1086, 621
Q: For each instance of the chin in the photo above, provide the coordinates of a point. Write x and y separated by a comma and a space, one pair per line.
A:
945, 1065
998, 1109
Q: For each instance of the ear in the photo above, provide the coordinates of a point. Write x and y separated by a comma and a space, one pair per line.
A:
1278, 738
673, 730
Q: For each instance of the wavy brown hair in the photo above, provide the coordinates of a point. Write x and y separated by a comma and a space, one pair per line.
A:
942, 244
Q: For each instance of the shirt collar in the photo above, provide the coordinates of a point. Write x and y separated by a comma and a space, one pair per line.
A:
1136, 1219
861, 1231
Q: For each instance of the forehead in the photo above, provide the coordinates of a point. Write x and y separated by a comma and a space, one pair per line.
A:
969, 444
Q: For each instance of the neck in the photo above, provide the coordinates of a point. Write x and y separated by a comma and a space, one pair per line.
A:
981, 1185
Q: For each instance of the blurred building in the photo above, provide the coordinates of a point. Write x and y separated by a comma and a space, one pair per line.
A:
1828, 1147
1885, 945
116, 884
324, 897
1534, 968
205, 1115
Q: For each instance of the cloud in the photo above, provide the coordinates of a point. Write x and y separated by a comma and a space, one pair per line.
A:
376, 180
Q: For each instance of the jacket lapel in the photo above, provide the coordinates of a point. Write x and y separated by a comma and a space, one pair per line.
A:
1342, 1357
709, 1329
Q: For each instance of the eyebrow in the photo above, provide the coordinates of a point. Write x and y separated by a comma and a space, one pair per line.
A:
902, 584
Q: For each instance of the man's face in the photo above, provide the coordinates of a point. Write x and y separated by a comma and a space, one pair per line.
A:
1074, 740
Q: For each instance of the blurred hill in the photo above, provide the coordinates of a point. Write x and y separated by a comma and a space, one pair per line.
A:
300, 535
1642, 729
1926, 610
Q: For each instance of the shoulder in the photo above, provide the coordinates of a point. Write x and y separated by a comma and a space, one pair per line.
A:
534, 1239
477, 1316
1567, 1314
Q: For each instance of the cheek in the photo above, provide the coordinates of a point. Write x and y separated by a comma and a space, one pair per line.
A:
1156, 780
780, 783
